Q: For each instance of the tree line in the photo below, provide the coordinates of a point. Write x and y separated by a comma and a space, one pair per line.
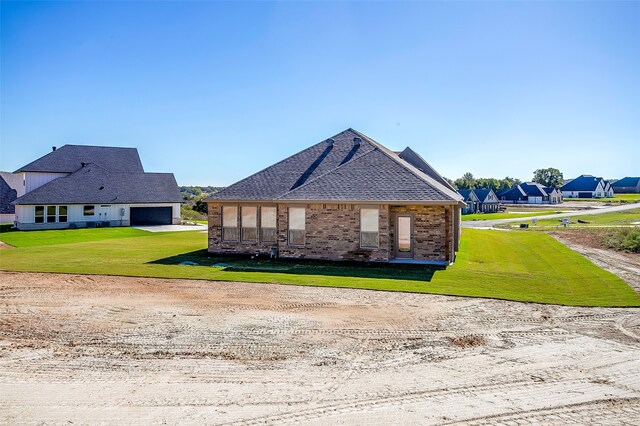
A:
550, 177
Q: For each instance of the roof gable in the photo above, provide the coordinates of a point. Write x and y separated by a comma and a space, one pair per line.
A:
484, 193
69, 158
348, 166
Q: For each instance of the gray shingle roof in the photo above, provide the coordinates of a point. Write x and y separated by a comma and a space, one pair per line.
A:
69, 158
7, 193
341, 171
533, 189
482, 193
94, 184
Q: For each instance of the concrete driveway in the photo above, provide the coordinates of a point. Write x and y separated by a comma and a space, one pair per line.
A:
527, 218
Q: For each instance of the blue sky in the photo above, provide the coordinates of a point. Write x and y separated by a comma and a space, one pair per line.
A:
216, 91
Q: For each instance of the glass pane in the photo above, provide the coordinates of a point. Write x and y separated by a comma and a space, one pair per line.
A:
369, 220
296, 237
62, 219
268, 217
249, 234
249, 217
369, 239
404, 234
39, 219
89, 210
51, 219
268, 234
296, 218
229, 234
62, 210
51, 210
230, 216
39, 210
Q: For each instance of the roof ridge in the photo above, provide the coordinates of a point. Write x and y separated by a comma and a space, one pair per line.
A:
354, 158
421, 175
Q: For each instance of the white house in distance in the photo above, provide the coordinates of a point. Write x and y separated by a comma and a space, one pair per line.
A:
587, 186
92, 186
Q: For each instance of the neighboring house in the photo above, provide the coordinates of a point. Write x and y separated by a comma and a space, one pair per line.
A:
627, 185
587, 186
345, 198
513, 195
488, 200
88, 186
471, 199
10, 184
530, 193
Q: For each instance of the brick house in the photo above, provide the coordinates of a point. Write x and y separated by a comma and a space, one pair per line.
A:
345, 198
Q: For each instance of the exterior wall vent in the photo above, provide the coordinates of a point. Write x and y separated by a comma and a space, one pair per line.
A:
357, 141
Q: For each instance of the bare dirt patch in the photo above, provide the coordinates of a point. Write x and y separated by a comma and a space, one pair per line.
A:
590, 244
114, 350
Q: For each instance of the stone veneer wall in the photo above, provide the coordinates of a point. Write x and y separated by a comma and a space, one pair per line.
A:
333, 233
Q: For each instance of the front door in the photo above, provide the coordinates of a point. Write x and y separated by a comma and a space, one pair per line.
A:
404, 236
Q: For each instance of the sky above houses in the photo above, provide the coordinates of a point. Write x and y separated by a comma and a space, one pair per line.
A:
216, 91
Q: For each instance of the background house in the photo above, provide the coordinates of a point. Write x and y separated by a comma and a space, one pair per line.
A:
587, 186
627, 185
530, 193
85, 186
488, 200
345, 198
471, 199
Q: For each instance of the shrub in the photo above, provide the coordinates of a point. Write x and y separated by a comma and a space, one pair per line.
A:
623, 239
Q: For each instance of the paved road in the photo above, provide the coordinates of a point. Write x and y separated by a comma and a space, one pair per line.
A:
527, 218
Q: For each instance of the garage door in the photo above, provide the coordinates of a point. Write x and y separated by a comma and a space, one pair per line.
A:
585, 194
150, 216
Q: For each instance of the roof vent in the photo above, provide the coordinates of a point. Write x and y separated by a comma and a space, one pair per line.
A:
53, 148
83, 164
357, 141
101, 188
330, 142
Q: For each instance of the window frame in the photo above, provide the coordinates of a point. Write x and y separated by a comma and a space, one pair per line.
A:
263, 228
290, 230
65, 215
242, 227
224, 237
84, 210
39, 216
377, 232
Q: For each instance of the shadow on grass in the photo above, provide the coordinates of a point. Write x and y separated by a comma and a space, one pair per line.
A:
237, 263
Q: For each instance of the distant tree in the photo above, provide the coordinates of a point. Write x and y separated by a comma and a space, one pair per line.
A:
548, 177
200, 206
452, 183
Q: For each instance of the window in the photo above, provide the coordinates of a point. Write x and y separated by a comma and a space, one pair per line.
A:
369, 228
62, 214
89, 210
39, 214
296, 226
249, 223
268, 217
229, 223
51, 214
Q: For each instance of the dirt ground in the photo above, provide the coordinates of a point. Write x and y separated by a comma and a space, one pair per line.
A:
590, 244
112, 350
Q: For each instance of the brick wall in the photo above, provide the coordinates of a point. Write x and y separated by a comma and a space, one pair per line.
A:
333, 232
432, 231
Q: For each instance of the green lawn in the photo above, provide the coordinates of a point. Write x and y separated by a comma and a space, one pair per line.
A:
521, 266
507, 215
624, 218
617, 198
